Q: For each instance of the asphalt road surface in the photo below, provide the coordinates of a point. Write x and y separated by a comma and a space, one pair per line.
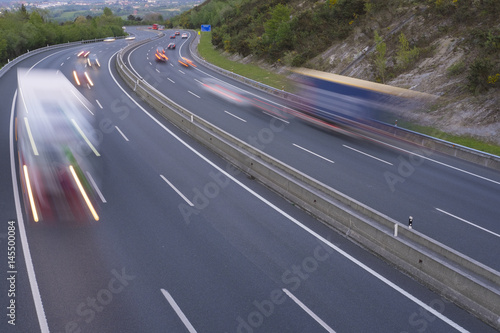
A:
185, 243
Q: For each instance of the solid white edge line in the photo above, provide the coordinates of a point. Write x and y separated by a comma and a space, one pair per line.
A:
126, 139
465, 221
311, 152
437, 162
178, 310
229, 113
309, 311
178, 192
37, 298
366, 154
95, 187
296, 222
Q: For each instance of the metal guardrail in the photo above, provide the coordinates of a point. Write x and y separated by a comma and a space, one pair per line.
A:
467, 282
12, 63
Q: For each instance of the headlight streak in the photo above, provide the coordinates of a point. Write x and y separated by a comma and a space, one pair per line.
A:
85, 138
30, 193
88, 79
33, 145
76, 78
189, 62
84, 194
222, 92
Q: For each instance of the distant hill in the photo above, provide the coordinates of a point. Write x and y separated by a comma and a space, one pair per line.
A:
450, 48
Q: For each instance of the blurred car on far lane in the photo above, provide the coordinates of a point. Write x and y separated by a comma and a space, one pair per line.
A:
172, 36
177, 33
186, 62
184, 35
171, 46
92, 61
225, 91
83, 54
81, 76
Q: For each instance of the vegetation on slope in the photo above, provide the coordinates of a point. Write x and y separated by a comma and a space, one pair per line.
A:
295, 31
21, 31
446, 47
274, 29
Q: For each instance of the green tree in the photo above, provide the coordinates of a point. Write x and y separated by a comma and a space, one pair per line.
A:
3, 49
380, 59
23, 13
478, 74
278, 35
107, 12
405, 55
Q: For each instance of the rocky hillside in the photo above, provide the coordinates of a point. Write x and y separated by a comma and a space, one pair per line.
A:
449, 53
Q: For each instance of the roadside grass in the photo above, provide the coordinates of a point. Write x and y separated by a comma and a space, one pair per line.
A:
259, 74
463, 140
250, 71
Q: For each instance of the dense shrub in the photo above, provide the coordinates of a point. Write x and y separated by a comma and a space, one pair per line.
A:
478, 74
270, 29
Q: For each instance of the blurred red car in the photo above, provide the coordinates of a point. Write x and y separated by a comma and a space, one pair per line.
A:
186, 62
160, 55
83, 54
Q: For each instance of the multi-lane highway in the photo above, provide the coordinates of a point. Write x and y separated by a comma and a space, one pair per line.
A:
452, 201
184, 242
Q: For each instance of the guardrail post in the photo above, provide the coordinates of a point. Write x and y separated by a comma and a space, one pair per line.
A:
410, 222
395, 230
